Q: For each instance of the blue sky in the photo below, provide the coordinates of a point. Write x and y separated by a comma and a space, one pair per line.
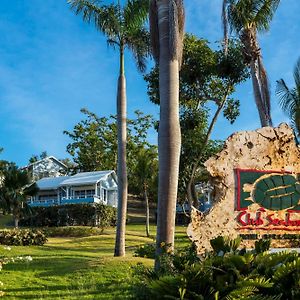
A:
52, 64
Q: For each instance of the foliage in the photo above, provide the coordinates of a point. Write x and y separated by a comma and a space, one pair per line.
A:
289, 99
94, 143
22, 237
226, 273
14, 190
147, 250
99, 215
71, 231
34, 158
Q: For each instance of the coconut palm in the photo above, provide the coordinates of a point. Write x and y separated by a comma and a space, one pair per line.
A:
247, 18
124, 28
289, 99
167, 30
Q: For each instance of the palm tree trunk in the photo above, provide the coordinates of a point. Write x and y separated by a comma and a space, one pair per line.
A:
169, 138
121, 172
147, 211
16, 221
257, 94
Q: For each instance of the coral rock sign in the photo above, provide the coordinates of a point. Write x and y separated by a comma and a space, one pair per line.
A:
257, 189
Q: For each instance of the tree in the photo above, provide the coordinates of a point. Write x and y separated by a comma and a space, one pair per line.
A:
94, 141
167, 31
206, 76
289, 99
14, 190
35, 158
145, 171
123, 27
247, 18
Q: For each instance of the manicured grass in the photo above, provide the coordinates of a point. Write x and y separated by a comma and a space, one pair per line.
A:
77, 268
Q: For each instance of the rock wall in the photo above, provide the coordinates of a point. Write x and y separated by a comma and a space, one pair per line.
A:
272, 149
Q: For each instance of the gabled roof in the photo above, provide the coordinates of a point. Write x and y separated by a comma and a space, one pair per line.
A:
48, 157
50, 183
85, 178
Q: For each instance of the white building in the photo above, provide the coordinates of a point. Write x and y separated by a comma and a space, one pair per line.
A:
86, 187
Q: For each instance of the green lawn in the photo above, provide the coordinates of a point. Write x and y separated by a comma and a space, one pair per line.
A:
77, 268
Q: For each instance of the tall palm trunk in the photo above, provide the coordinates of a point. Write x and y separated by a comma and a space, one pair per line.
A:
121, 172
257, 94
169, 138
146, 199
260, 84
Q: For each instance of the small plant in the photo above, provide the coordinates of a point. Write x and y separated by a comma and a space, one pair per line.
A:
147, 250
22, 237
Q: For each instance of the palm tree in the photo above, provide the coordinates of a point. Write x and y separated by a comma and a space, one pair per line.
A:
124, 28
247, 18
14, 190
145, 171
167, 31
289, 99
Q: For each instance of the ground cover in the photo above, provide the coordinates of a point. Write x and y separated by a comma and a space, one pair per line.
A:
77, 268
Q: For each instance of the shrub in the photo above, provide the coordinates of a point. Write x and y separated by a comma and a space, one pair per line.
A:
226, 273
147, 250
99, 215
70, 231
22, 237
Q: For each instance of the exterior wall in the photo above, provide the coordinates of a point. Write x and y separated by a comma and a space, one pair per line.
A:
46, 168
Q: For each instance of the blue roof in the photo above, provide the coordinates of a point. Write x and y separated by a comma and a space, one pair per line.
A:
50, 183
84, 178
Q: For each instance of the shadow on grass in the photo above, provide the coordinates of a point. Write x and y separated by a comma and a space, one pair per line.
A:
92, 291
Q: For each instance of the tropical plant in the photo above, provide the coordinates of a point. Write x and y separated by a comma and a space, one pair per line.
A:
15, 190
145, 171
124, 28
247, 18
227, 273
289, 99
167, 31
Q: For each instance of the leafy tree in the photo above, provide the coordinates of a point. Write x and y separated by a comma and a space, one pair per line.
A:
247, 18
15, 190
124, 28
167, 31
206, 77
289, 99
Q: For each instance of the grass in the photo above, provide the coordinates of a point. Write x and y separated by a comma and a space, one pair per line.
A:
78, 268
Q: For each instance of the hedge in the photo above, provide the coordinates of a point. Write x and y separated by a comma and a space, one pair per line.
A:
99, 215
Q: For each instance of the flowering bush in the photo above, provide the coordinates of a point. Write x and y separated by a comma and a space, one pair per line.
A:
22, 237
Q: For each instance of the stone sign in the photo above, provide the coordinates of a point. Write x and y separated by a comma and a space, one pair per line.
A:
257, 190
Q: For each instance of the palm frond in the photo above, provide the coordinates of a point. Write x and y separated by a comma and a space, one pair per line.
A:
135, 14
265, 13
297, 78
105, 18
154, 33
286, 97
138, 43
